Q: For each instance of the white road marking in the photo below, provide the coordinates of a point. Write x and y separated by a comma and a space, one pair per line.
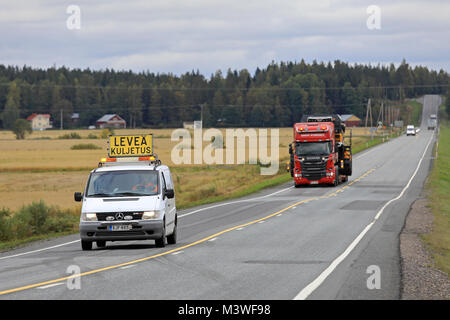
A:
128, 267
234, 202
177, 252
305, 292
262, 221
212, 240
39, 250
241, 228
50, 285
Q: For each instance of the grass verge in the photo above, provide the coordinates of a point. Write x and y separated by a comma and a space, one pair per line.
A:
283, 178
35, 221
438, 241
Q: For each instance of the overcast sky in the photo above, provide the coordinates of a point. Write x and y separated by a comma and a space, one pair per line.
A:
181, 35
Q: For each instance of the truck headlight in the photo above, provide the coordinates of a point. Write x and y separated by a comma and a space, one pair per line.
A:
148, 215
89, 216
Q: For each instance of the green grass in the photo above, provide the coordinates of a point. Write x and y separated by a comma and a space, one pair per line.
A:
35, 221
438, 241
85, 146
368, 142
283, 178
416, 112
72, 135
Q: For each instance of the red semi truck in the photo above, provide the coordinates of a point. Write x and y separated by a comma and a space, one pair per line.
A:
318, 154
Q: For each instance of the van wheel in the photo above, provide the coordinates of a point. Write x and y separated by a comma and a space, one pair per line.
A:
86, 245
172, 239
161, 242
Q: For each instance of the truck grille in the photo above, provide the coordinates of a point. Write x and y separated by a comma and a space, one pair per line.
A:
314, 170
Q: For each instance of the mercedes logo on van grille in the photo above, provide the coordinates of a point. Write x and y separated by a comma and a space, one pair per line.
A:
119, 216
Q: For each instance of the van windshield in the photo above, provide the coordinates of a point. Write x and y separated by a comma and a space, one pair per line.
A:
123, 183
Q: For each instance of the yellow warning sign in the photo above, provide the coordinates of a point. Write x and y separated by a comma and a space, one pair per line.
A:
131, 146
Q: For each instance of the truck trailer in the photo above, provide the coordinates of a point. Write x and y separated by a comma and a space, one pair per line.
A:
318, 154
432, 122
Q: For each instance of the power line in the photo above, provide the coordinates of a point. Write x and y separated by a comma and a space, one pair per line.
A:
71, 86
198, 106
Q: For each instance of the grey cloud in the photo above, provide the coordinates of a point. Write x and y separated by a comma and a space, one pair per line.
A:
178, 36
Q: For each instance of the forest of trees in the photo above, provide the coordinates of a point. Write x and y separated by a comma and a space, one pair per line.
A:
276, 96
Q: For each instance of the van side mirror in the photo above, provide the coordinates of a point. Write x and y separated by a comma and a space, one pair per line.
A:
290, 148
78, 196
169, 193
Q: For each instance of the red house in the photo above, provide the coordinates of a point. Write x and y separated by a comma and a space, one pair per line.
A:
40, 121
111, 121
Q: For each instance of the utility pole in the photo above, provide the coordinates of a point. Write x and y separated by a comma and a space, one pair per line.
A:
61, 113
201, 113
368, 111
381, 114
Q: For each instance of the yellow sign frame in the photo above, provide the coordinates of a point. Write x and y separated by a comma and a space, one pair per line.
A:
122, 146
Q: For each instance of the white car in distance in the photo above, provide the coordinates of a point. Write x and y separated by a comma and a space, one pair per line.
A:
410, 130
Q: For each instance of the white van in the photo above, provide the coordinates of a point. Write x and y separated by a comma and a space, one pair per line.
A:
410, 130
128, 201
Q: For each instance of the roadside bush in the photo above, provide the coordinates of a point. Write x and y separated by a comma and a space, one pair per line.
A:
72, 135
21, 128
36, 219
85, 146
5, 233
92, 136
106, 133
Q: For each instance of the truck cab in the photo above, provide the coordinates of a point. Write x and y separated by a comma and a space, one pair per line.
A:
128, 200
318, 154
432, 122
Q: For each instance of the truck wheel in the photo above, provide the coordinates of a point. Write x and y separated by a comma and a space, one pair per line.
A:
172, 239
86, 245
297, 185
336, 176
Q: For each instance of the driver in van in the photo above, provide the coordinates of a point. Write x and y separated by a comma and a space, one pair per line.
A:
148, 183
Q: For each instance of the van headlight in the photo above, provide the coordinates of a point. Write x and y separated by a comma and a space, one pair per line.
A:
89, 216
148, 215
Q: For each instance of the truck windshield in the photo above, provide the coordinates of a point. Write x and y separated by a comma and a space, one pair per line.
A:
123, 183
312, 148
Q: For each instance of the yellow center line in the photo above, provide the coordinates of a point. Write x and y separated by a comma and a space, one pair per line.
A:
179, 248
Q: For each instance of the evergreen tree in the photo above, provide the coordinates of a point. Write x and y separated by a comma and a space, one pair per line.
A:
12, 107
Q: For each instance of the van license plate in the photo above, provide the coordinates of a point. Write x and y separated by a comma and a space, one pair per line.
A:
120, 227
314, 182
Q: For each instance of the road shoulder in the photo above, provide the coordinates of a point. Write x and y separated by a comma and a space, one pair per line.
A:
420, 279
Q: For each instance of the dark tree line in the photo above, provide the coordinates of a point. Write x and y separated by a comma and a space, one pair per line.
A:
275, 96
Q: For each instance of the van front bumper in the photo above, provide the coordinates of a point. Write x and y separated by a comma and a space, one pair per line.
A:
139, 230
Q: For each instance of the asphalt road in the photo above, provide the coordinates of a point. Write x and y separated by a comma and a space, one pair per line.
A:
282, 243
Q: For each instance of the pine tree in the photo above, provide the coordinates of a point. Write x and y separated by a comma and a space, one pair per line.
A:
12, 107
